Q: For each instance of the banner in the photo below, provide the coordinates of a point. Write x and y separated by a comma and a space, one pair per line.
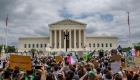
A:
23, 62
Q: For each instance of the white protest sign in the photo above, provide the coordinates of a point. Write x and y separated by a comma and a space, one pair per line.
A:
73, 60
115, 67
80, 53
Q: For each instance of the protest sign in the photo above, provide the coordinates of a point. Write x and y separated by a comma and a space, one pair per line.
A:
115, 67
137, 61
116, 57
80, 54
132, 62
58, 58
85, 57
138, 54
23, 62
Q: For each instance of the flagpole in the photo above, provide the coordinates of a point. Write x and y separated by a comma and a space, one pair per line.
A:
130, 36
6, 36
129, 31
6, 30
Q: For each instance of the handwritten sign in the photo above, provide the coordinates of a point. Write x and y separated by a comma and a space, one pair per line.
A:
137, 61
23, 62
132, 62
58, 58
115, 67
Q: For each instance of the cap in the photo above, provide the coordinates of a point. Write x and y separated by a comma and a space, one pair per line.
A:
91, 73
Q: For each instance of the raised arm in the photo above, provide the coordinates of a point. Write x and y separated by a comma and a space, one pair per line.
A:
82, 78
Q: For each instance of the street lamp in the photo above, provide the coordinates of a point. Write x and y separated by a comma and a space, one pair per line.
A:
66, 35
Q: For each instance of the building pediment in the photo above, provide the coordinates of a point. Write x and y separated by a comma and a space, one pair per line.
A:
67, 22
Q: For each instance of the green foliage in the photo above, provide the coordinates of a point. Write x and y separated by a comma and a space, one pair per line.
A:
137, 47
126, 49
9, 49
101, 50
33, 50
0, 48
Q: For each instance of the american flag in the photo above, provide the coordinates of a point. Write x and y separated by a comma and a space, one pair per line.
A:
7, 20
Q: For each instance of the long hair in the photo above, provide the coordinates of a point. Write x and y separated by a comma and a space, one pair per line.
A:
92, 77
70, 75
82, 69
60, 77
50, 76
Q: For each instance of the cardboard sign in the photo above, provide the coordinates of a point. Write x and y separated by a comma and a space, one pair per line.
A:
115, 67
116, 57
137, 61
131, 63
58, 58
23, 62
138, 54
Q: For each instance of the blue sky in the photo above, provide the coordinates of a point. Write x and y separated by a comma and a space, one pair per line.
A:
103, 17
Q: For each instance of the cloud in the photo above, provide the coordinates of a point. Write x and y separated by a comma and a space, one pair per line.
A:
103, 17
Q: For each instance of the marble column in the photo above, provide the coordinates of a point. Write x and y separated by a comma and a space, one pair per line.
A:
79, 38
84, 37
74, 38
70, 39
50, 38
55, 39
59, 38
64, 40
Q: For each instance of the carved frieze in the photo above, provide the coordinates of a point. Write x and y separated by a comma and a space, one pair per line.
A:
67, 22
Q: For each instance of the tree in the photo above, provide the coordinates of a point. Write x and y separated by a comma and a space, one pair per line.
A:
126, 49
9, 49
33, 51
137, 47
0, 48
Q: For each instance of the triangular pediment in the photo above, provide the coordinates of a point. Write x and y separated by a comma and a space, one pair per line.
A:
67, 22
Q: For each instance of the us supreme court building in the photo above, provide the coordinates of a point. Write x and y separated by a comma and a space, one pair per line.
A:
77, 40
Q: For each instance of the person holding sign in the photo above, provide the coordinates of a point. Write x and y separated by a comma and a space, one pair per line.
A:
56, 70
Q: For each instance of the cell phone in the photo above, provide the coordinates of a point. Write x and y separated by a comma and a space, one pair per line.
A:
38, 67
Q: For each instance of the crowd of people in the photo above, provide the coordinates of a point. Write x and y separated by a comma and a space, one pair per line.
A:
83, 70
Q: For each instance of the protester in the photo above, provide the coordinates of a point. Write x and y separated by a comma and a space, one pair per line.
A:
83, 69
